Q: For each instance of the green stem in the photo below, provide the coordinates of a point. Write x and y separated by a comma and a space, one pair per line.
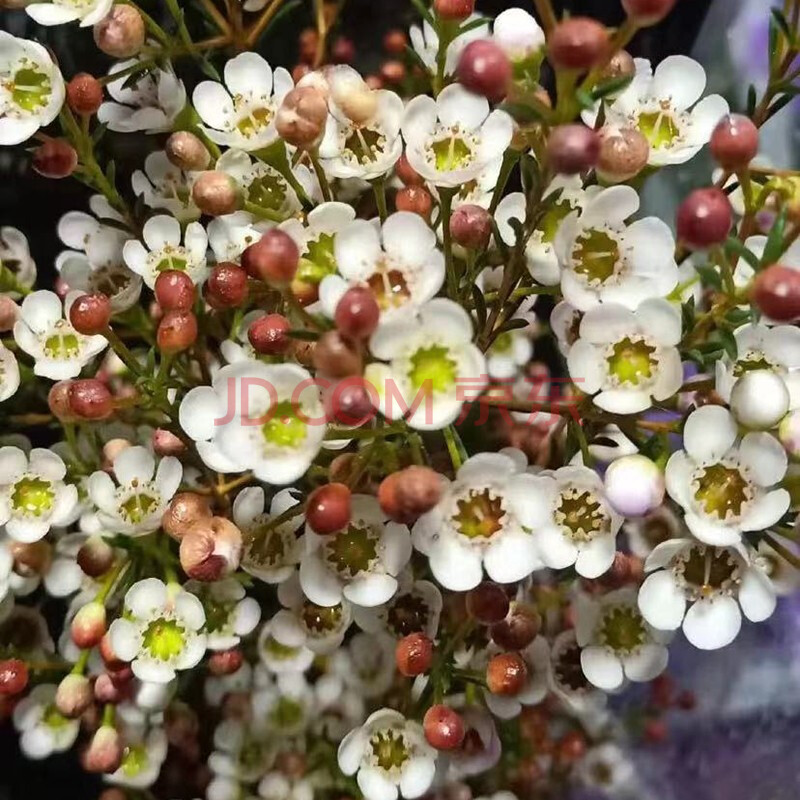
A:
379, 189
446, 205
327, 194
121, 349
454, 446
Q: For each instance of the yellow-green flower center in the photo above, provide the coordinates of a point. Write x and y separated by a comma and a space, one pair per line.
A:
432, 367
268, 191
277, 650
266, 545
320, 619
286, 713
595, 256
352, 550
389, 749
284, 428
138, 507
164, 639
622, 629
30, 89
172, 258
722, 490
451, 153
254, 120
318, 261
53, 719
33, 495
553, 218
218, 614
631, 361
134, 760
480, 514
62, 344
581, 515
707, 569
365, 145
659, 128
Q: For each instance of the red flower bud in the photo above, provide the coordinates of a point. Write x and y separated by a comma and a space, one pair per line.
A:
177, 331
273, 258
328, 508
88, 626
776, 292
95, 557
416, 199
90, 313
413, 654
704, 218
647, 12
734, 142
74, 695
573, 148
55, 158
84, 94
578, 43
13, 676
187, 152
226, 286
174, 291
269, 334
506, 674
357, 313
471, 227
457, 10
485, 69
444, 728
90, 399
120, 34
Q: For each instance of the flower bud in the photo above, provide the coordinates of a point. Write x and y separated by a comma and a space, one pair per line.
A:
357, 313
336, 357
185, 509
216, 193
357, 101
88, 626
578, 43
734, 142
393, 72
506, 674
518, 629
274, 258
58, 402
413, 654
121, 33
416, 200
166, 443
90, 399
328, 508
308, 41
187, 152
90, 313
395, 42
349, 402
177, 331
444, 728
55, 158
13, 677
571, 747
9, 313
623, 154
226, 286
111, 449
95, 557
225, 662
301, 118
210, 549
488, 603
789, 434
31, 559
269, 335
647, 12
621, 65
407, 174
106, 691
457, 10
704, 218
572, 149
485, 69
776, 292
471, 227
84, 94
105, 751
759, 399
174, 291
343, 50
405, 495
73, 696
634, 485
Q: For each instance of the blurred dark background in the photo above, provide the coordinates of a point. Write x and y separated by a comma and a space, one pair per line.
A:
34, 205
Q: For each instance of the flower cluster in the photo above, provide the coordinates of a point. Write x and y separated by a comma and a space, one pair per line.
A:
373, 433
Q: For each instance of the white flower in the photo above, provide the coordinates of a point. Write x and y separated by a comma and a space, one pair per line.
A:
230, 614
31, 89
9, 373
481, 522
281, 657
33, 495
431, 361
43, 730
451, 139
45, 333
484, 749
626, 359
658, 105
366, 148
605, 260
242, 113
565, 320
387, 754
535, 688
15, 258
164, 251
520, 35
723, 481
713, 582
162, 185
161, 631
512, 350
271, 552
398, 261
617, 642
276, 785
286, 707
573, 521
151, 104
425, 42
230, 235
360, 562
785, 579
57, 12
242, 753
142, 759
135, 505
568, 681
607, 768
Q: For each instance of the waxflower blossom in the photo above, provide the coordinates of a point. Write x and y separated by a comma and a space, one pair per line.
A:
162, 185
285, 707
142, 759
162, 632
536, 657
723, 482
230, 615
87, 12
520, 35
15, 258
425, 42
43, 729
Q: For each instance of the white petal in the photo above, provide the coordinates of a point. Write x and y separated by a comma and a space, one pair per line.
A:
13, 464
417, 777
763, 455
766, 510
680, 78
456, 566
370, 590
709, 433
375, 785
602, 668
713, 623
146, 597
512, 557
649, 661
125, 640
757, 595
458, 107
661, 601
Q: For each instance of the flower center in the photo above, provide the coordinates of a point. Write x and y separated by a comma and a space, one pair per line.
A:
267, 546
53, 719
319, 619
655, 531
751, 362
389, 749
277, 650
480, 514
267, 191
568, 669
708, 570
172, 258
553, 218
138, 507
62, 342
721, 491
30, 89
252, 120
352, 551
432, 366
389, 287
622, 629
407, 614
286, 713
596, 256
631, 361
318, 261
580, 514
134, 760
659, 128
32, 495
503, 344
364, 145
451, 153
110, 280
164, 639
218, 615
284, 428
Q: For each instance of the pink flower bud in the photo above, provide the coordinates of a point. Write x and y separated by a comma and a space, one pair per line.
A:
105, 751
89, 625
211, 549
74, 695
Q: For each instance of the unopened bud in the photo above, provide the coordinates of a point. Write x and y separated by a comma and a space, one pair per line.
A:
106, 691
55, 158
9, 313
225, 662
185, 509
187, 151
90, 399
216, 193
577, 43
31, 558
623, 155
121, 32
95, 557
210, 549
89, 625
572, 149
357, 101
166, 443
405, 495
105, 751
73, 696
111, 449
274, 258
301, 118
84, 94
177, 331
13, 677
226, 286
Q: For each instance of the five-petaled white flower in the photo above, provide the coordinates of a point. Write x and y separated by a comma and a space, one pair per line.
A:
724, 482
451, 139
135, 505
242, 112
162, 185
44, 332
160, 632
57, 12
43, 729
387, 754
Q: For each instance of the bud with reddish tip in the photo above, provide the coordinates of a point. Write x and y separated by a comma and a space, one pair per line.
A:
734, 141
405, 495
518, 629
90, 313
357, 313
416, 200
111, 449
704, 218
187, 151
121, 32
578, 43
335, 356
31, 559
395, 42
457, 10
210, 549
301, 118
350, 402
166, 443
90, 399
776, 293
621, 65
488, 603
185, 509
269, 334
471, 227
444, 728
9, 313
13, 677
413, 654
216, 193
73, 696
572, 149
84, 94
225, 662
58, 402
328, 508
95, 557
623, 154
226, 286
647, 12
485, 69
393, 72
506, 674
177, 331
106, 691
274, 258
407, 174
105, 751
174, 290
89, 625
55, 158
